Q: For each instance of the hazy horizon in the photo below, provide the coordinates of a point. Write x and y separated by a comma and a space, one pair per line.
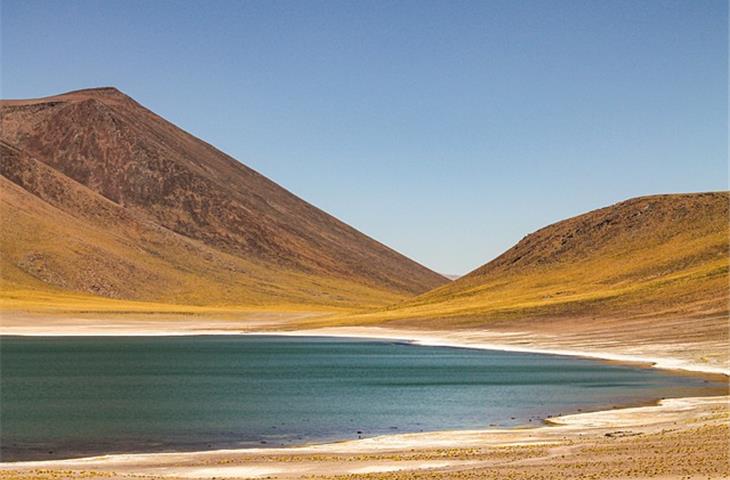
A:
445, 130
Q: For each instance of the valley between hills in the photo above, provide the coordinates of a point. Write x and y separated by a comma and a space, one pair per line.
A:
117, 222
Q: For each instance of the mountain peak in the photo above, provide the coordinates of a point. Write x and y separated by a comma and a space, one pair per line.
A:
98, 91
108, 93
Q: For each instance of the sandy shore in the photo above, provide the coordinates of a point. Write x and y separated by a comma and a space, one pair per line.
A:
129, 324
514, 342
640, 442
672, 424
674, 356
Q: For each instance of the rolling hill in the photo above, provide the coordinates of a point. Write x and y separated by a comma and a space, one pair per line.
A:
102, 199
654, 257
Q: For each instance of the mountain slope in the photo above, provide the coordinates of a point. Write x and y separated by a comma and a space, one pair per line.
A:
651, 257
101, 196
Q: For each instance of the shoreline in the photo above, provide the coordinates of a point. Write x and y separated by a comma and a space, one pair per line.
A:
187, 463
547, 422
433, 338
620, 421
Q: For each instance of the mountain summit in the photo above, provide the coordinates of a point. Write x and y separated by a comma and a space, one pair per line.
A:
102, 196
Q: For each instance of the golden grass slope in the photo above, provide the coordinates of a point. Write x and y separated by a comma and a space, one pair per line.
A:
651, 257
53, 259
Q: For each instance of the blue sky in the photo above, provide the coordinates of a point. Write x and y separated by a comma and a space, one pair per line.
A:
447, 130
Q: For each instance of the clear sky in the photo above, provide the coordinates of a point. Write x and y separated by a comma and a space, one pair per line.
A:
447, 130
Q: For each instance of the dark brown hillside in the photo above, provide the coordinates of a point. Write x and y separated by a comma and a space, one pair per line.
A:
656, 218
153, 173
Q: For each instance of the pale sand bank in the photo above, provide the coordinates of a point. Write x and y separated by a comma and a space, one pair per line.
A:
514, 342
271, 324
436, 451
135, 324
672, 357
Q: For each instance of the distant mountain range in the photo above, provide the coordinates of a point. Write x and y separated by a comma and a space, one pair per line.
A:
101, 196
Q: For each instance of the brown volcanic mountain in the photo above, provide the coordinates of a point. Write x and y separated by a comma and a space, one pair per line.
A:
102, 196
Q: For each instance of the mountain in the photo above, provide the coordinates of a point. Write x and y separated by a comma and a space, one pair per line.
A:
654, 257
100, 196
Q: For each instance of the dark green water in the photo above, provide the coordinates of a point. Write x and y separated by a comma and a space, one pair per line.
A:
72, 396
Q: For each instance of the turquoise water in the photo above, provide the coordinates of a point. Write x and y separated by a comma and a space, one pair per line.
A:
72, 396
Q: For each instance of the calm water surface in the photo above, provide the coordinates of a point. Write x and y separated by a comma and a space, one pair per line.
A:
72, 396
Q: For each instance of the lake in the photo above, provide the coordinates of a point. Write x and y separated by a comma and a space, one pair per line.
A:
76, 396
